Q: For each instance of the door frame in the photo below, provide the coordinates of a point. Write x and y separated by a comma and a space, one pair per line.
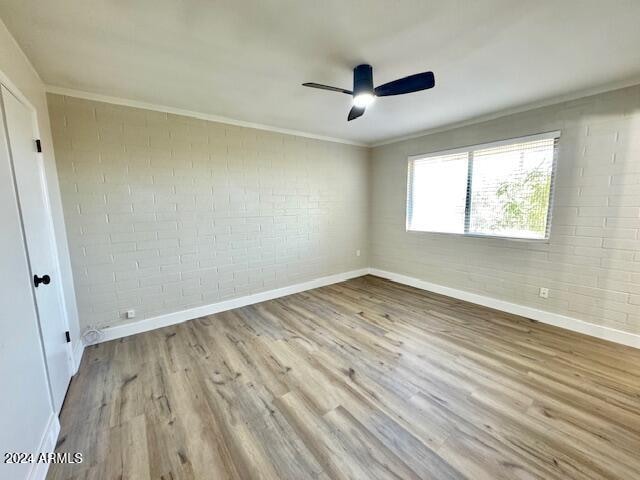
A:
53, 241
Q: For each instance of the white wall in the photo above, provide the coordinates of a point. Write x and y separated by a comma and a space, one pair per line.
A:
166, 212
591, 263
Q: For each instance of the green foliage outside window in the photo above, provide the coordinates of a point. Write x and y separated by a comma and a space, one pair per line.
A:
525, 202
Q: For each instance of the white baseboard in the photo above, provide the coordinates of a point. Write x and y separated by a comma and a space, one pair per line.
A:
119, 331
78, 350
47, 445
563, 321
569, 323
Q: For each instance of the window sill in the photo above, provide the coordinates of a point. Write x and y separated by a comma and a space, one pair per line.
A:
479, 235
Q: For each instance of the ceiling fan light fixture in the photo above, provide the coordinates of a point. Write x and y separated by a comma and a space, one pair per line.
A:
363, 100
364, 93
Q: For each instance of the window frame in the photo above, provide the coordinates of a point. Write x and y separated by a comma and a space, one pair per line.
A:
469, 149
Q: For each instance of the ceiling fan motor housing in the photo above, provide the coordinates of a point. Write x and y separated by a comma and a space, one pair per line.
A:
362, 80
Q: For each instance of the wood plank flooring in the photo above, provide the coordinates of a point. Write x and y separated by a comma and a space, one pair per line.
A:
365, 379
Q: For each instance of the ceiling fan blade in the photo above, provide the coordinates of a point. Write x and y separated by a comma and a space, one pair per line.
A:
412, 83
355, 112
327, 87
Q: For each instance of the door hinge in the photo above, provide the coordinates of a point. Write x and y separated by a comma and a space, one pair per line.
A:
38, 146
67, 336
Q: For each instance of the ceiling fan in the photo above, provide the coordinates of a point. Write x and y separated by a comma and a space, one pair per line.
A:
364, 94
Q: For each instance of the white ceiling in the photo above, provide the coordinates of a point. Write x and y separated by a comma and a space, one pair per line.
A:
246, 59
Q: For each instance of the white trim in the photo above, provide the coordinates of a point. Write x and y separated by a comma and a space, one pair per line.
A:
71, 92
119, 331
78, 350
97, 97
47, 445
556, 100
373, 144
562, 321
483, 146
15, 91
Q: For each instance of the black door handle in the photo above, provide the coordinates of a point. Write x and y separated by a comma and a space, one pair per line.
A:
46, 279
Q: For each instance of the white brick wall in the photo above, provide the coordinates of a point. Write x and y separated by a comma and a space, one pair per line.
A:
591, 263
165, 213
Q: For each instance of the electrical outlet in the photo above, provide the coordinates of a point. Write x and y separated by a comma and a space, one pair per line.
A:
131, 314
543, 293
357, 253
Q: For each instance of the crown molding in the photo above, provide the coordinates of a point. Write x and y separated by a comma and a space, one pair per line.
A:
97, 97
630, 82
70, 92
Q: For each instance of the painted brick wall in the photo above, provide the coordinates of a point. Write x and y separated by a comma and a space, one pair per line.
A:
591, 263
165, 212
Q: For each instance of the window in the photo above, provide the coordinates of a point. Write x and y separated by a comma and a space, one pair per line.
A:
502, 189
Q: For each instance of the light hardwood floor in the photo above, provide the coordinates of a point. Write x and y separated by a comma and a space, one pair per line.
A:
365, 379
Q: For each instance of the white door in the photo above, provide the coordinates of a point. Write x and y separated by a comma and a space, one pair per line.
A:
38, 230
25, 403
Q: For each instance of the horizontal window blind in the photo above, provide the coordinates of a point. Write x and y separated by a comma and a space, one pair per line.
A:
502, 190
437, 193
